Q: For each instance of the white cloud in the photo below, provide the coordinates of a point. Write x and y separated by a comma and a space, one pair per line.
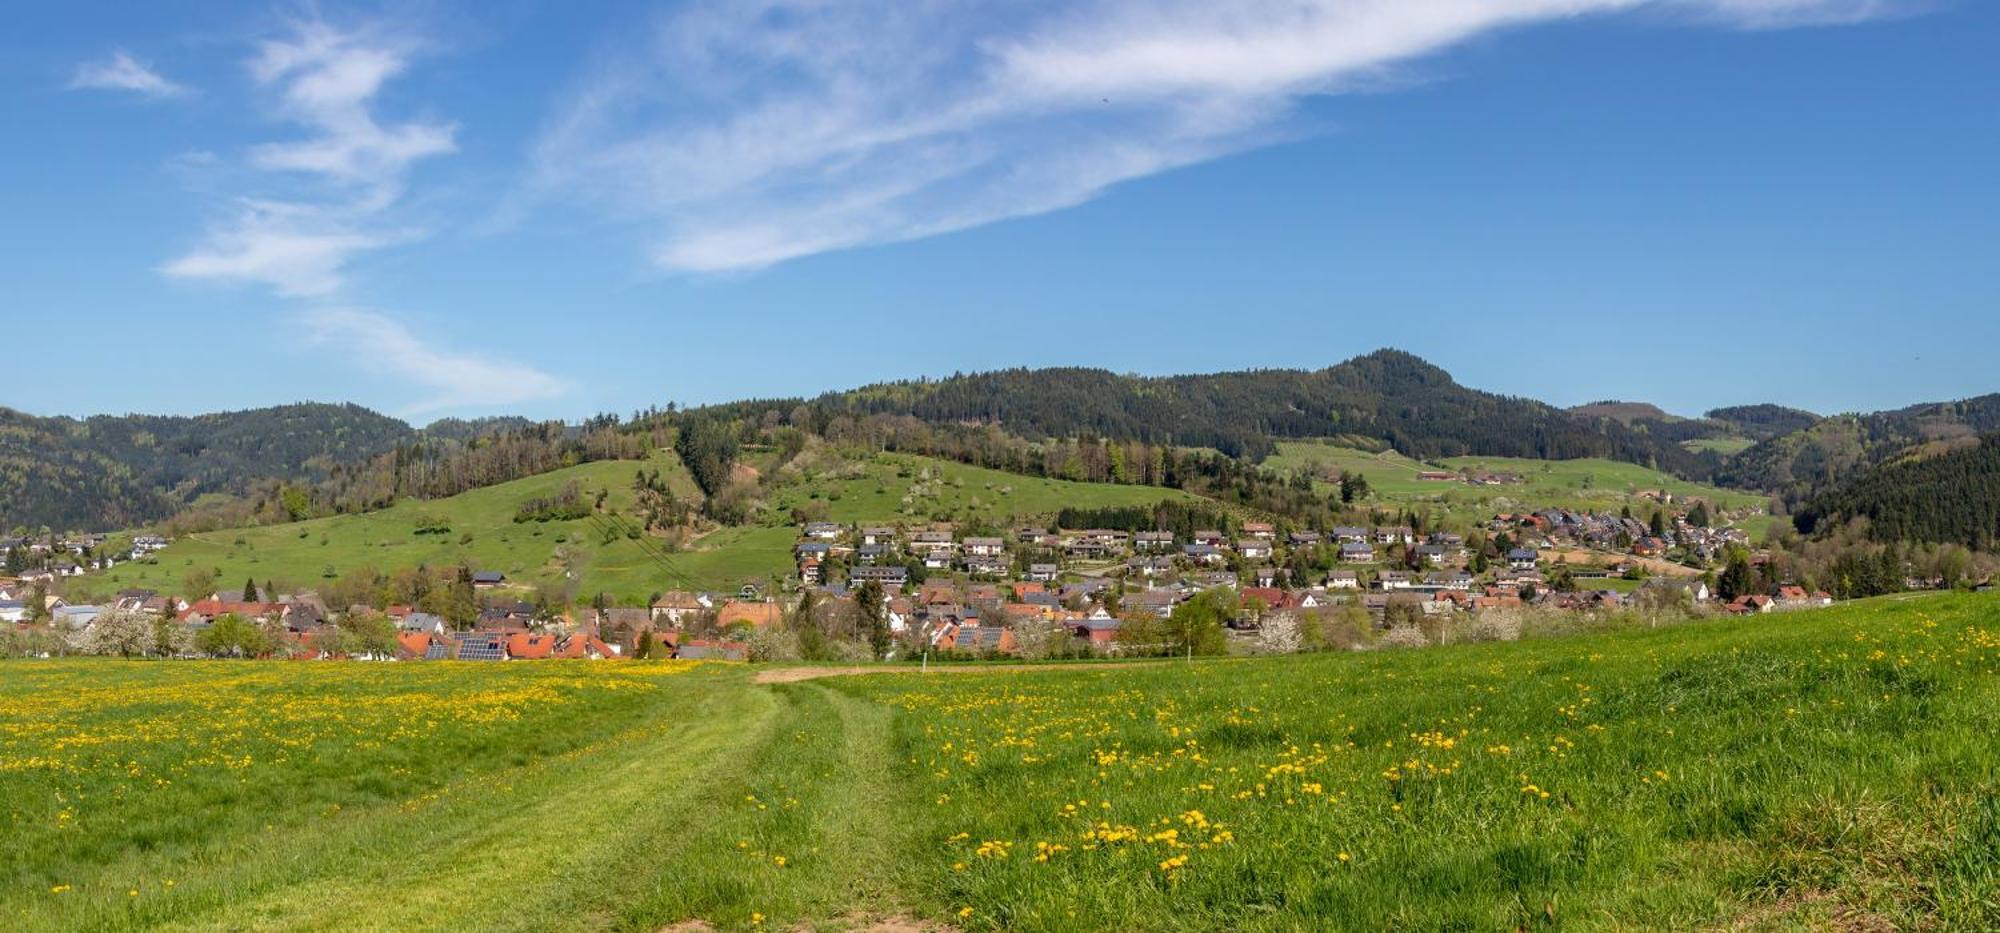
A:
750, 132
353, 167
446, 380
297, 249
122, 72
327, 81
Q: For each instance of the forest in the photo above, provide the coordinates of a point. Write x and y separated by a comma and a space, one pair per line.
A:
1951, 498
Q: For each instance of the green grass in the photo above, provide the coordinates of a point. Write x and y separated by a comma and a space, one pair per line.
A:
1726, 446
1825, 768
484, 535
896, 487
1591, 484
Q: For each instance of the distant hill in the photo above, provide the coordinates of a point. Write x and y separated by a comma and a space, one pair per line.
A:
111, 471
1825, 455
1388, 396
1951, 497
1764, 421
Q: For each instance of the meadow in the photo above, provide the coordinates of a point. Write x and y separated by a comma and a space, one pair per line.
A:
482, 533
1589, 484
1823, 768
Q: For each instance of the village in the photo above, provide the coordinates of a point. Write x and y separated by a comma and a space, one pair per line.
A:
951, 592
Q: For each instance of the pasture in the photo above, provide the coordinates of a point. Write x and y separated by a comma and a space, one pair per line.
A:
1587, 484
1822, 768
479, 528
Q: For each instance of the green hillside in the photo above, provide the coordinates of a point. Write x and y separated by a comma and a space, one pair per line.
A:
482, 532
1826, 769
1589, 483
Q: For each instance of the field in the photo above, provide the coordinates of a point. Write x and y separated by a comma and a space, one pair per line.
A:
1726, 446
484, 535
1831, 768
1605, 485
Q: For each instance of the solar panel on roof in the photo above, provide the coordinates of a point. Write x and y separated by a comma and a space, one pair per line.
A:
480, 648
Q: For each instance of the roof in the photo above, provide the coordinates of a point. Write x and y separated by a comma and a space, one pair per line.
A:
488, 576
525, 645
756, 614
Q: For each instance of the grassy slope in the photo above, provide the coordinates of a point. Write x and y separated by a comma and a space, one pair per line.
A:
1794, 771
885, 488
1834, 765
1590, 484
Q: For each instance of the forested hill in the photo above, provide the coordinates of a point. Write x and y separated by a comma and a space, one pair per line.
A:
1764, 421
111, 471
1825, 455
1386, 396
1953, 497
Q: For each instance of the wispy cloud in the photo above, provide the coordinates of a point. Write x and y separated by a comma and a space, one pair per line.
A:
749, 132
122, 72
343, 180
447, 380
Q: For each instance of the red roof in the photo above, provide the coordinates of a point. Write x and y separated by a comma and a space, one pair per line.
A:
217, 607
1270, 596
414, 643
529, 646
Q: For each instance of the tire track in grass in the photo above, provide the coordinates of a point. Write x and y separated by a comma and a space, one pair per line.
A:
553, 845
812, 832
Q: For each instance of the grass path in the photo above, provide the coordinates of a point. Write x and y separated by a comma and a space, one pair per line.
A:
729, 805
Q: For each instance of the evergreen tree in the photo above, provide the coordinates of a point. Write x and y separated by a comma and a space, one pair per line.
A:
249, 590
874, 617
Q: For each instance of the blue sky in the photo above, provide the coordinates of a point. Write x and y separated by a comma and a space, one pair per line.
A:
440, 208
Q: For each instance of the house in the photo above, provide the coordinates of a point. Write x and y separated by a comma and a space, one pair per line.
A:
76, 617
931, 541
1209, 537
809, 571
1254, 548
1303, 539
1431, 554
1392, 580
675, 608
1458, 582
812, 550
488, 579
1101, 632
822, 531
991, 567
891, 577
478, 646
1691, 589
1153, 541
1357, 552
985, 547
1206, 554
1436, 476
738, 612
1754, 604
1399, 534
1521, 558
871, 553
938, 559
878, 535
1044, 573
1265, 576
1349, 534
1157, 602
422, 623
1343, 580
1261, 530
528, 646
